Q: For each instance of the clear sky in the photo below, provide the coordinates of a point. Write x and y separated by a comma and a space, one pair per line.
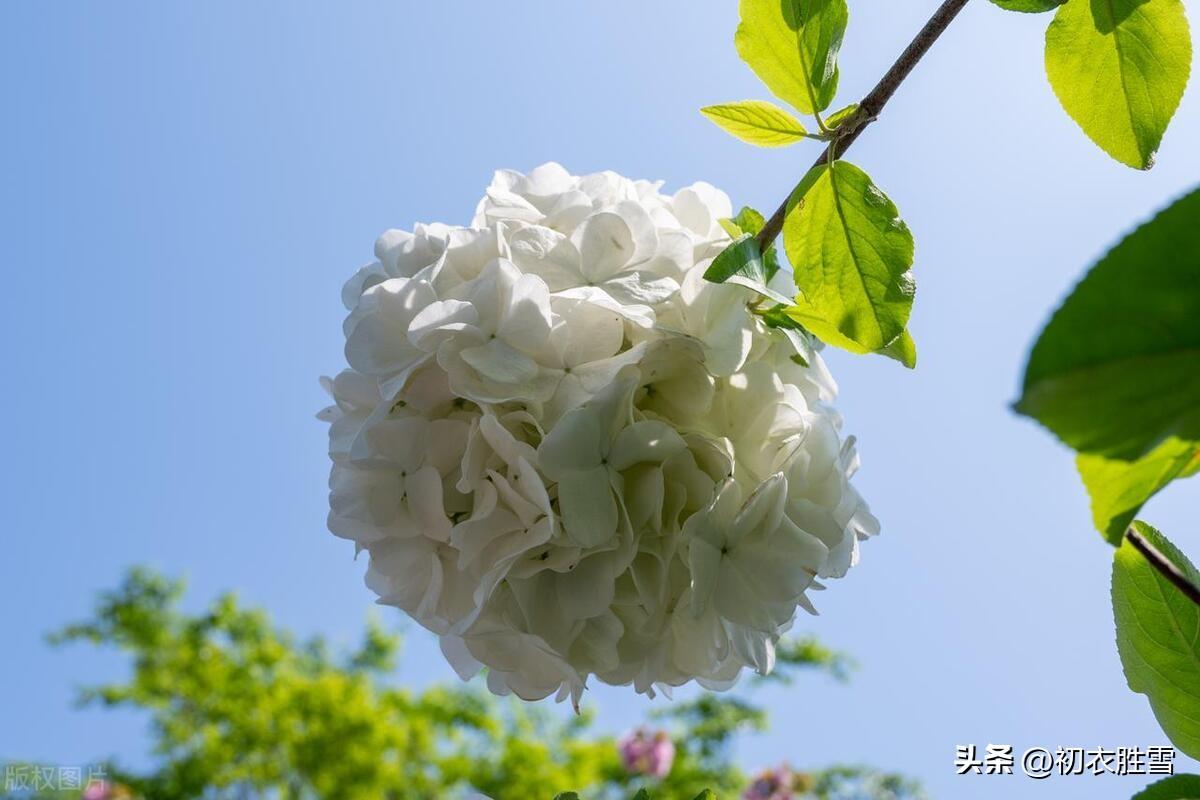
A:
186, 186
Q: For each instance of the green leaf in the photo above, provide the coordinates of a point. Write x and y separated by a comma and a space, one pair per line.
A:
800, 339
1156, 637
1029, 6
740, 257
1179, 787
1117, 369
1119, 68
757, 122
730, 227
1118, 489
839, 117
903, 349
707, 794
642, 794
742, 263
566, 796
750, 221
852, 257
792, 45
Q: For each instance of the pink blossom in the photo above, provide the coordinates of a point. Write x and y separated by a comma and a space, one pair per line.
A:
773, 784
103, 790
647, 754
97, 790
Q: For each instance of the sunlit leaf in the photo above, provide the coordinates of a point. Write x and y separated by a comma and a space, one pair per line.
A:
748, 220
839, 117
902, 349
852, 257
742, 263
792, 45
1119, 68
800, 339
1118, 489
1029, 6
757, 122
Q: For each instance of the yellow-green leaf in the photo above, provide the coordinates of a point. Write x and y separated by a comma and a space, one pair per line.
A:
838, 118
1029, 6
792, 45
903, 349
852, 256
757, 122
1118, 489
1119, 68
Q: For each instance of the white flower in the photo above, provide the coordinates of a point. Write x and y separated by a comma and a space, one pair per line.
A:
569, 455
492, 334
750, 561
588, 451
377, 340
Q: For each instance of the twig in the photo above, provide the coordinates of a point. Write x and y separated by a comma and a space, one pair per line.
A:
871, 105
1164, 566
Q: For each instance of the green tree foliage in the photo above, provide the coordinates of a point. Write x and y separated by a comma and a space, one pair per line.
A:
242, 709
239, 707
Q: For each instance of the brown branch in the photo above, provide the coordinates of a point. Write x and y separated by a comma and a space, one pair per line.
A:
1164, 566
871, 105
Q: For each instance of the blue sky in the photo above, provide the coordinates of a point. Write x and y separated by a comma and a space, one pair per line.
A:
186, 186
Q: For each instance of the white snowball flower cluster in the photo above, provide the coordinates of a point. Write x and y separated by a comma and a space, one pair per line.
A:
567, 454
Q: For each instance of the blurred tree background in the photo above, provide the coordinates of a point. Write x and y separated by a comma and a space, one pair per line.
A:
241, 709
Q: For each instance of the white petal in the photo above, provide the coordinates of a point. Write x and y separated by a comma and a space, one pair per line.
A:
640, 315
577, 442
526, 322
629, 288
423, 490
460, 658
549, 255
586, 591
605, 245
762, 511
498, 361
377, 341
645, 441
585, 331
503, 204
587, 506
439, 321
755, 648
